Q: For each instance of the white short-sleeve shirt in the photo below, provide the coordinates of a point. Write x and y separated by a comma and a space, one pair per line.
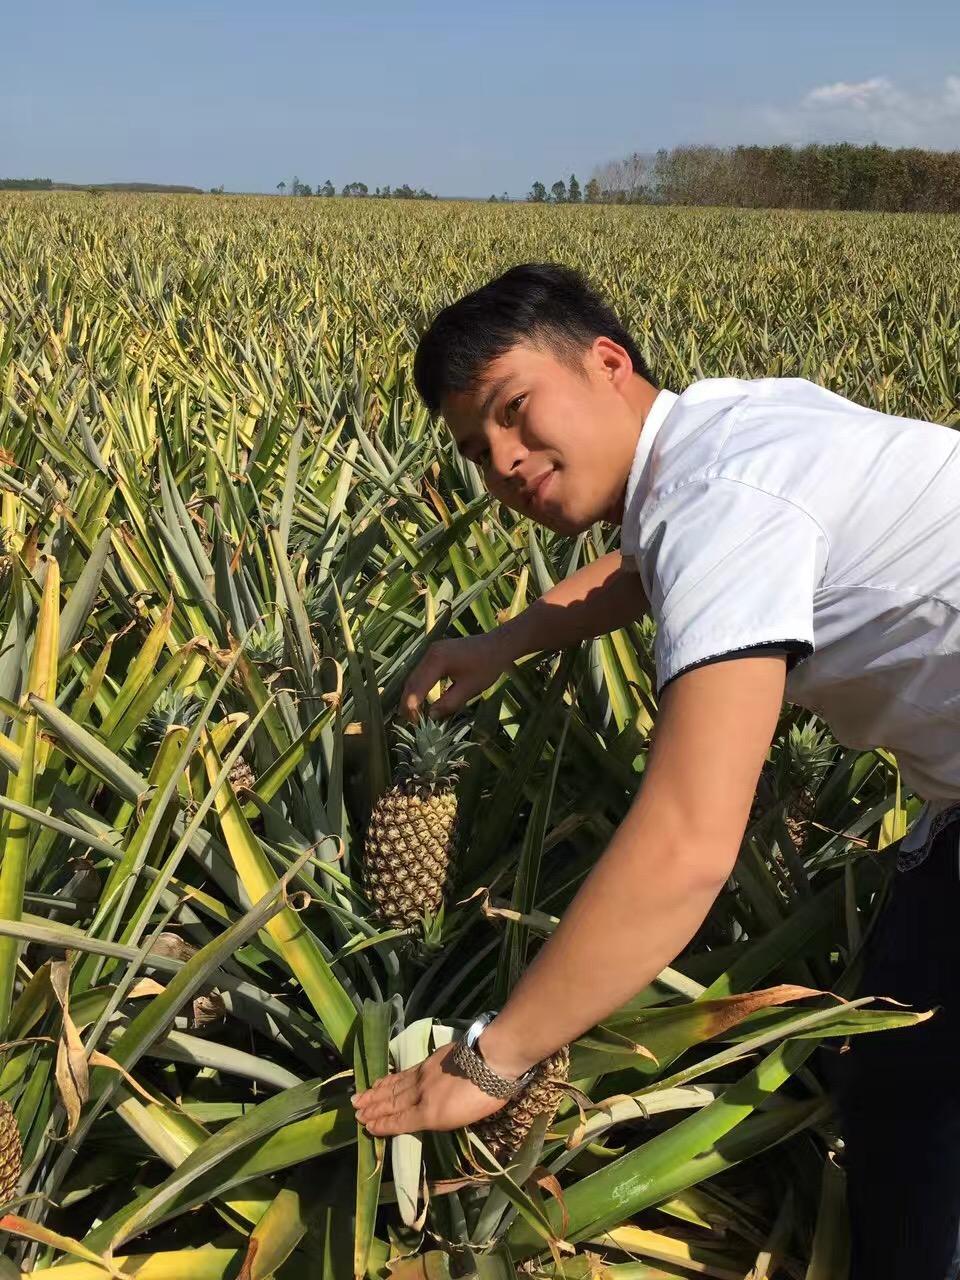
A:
776, 513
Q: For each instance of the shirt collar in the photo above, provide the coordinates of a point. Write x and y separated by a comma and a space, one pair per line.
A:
663, 403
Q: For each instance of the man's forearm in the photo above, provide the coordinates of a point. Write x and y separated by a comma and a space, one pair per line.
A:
638, 908
597, 599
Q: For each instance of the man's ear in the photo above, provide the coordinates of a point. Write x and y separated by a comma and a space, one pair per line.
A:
610, 360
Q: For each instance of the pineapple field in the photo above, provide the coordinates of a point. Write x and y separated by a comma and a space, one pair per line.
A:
235, 887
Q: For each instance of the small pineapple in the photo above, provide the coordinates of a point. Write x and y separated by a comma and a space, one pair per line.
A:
172, 709
412, 833
318, 604
11, 1153
505, 1130
207, 1007
265, 645
807, 754
242, 776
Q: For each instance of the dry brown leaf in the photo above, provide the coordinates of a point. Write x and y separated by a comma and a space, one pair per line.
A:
72, 1072
145, 987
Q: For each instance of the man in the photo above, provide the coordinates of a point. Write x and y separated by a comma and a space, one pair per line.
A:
788, 543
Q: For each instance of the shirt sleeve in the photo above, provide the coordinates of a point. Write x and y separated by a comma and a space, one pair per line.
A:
729, 568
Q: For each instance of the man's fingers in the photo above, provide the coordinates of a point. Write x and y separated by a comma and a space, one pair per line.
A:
408, 1120
419, 684
392, 1094
449, 701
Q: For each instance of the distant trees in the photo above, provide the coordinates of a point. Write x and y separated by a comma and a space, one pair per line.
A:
25, 184
405, 192
818, 176
592, 193
560, 193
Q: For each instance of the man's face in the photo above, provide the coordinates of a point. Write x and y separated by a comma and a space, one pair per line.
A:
551, 444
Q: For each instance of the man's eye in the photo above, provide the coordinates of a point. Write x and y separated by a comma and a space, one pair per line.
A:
514, 404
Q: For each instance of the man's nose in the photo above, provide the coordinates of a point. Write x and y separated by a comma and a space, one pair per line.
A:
507, 457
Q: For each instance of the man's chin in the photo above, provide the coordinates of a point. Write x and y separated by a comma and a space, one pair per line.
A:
571, 526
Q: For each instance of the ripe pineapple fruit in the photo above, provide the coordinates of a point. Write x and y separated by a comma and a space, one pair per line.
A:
11, 1153
412, 832
808, 753
505, 1130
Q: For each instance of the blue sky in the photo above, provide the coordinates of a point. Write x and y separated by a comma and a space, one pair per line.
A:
461, 100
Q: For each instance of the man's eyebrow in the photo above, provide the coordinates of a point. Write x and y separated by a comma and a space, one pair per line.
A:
492, 394
488, 400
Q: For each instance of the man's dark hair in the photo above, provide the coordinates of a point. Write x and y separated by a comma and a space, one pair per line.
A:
542, 303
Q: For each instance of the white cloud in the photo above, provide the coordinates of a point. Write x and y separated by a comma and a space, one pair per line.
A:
874, 110
861, 96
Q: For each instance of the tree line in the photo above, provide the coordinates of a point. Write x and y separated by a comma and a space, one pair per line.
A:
564, 193
818, 176
404, 192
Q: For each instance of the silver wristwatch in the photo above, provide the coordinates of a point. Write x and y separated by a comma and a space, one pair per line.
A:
467, 1060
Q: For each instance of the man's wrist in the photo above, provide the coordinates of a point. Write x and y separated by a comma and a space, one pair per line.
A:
514, 638
501, 1053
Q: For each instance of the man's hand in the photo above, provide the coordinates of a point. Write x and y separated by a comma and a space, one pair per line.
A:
473, 663
431, 1095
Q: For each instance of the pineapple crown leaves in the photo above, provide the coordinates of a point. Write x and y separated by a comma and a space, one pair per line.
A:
265, 644
318, 604
804, 754
170, 709
431, 753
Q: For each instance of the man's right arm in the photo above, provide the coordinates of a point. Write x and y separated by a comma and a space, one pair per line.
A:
601, 597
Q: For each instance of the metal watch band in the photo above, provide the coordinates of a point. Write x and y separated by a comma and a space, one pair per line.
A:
468, 1061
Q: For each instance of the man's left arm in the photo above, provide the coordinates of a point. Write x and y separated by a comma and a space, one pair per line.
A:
642, 902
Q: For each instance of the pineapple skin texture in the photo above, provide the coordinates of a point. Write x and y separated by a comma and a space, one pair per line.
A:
505, 1130
409, 853
11, 1153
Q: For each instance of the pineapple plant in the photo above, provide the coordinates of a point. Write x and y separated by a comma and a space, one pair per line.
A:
505, 1130
806, 756
265, 645
412, 832
177, 710
172, 709
11, 1153
318, 604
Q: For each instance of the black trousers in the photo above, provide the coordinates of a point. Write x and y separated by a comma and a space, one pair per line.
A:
900, 1090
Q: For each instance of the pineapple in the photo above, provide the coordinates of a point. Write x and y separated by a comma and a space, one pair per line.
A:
412, 832
318, 604
808, 753
505, 1130
11, 1153
207, 1007
265, 645
176, 710
171, 710
242, 777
